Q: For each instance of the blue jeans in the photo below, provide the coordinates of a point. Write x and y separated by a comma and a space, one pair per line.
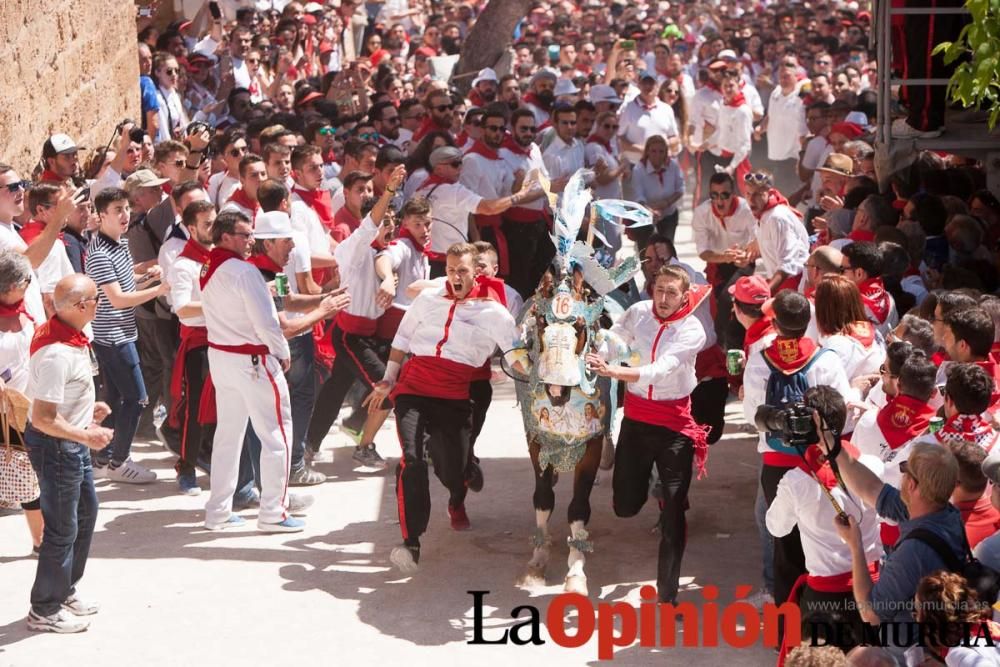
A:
766, 541
302, 389
125, 392
69, 507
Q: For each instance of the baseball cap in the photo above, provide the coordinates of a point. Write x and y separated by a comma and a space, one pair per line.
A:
143, 178
272, 225
312, 7
751, 289
485, 74
543, 74
604, 93
58, 143
646, 74
444, 154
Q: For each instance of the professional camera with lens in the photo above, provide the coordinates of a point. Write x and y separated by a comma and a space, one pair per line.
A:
791, 422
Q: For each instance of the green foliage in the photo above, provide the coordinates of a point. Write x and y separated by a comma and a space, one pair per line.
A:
976, 81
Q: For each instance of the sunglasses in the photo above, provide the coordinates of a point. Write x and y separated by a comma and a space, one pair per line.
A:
494, 128
455, 165
18, 186
904, 468
328, 131
236, 152
369, 136
672, 91
720, 195
606, 126
253, 61
180, 162
172, 70
757, 178
443, 107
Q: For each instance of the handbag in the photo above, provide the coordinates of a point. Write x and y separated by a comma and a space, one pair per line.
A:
18, 483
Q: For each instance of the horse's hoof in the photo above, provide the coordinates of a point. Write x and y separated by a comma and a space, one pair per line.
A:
576, 583
534, 577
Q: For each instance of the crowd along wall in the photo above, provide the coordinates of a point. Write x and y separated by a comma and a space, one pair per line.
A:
67, 66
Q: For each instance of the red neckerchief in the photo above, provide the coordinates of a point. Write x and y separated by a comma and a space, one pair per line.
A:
514, 147
902, 419
483, 288
863, 332
861, 235
993, 370
696, 295
434, 179
49, 176
659, 172
476, 99
195, 252
33, 229
968, 428
57, 331
329, 156
594, 139
810, 293
789, 355
758, 330
531, 98
479, 147
646, 107
939, 358
713, 86
344, 216
913, 271
462, 139
12, 309
815, 466
168, 188
734, 201
775, 199
405, 233
265, 263
738, 100
875, 297
318, 200
995, 352
428, 125
216, 258
240, 197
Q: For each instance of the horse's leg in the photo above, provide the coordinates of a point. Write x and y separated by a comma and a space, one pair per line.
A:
544, 500
579, 516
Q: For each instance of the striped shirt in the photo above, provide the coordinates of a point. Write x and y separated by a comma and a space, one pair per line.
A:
109, 261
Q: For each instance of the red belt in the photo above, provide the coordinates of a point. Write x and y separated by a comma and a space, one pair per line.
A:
192, 338
494, 222
243, 348
791, 282
387, 325
436, 377
355, 324
527, 216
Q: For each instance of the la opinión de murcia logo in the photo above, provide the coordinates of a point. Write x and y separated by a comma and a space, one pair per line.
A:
738, 624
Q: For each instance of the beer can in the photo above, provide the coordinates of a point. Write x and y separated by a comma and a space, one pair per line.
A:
734, 361
280, 284
935, 425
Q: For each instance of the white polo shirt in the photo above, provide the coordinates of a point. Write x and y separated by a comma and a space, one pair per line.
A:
490, 179
637, 124
711, 236
562, 159
451, 206
651, 184
62, 374
786, 116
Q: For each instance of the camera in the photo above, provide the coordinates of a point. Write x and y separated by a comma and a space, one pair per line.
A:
791, 422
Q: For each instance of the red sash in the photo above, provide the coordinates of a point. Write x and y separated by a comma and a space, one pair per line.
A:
902, 419
435, 377
355, 324
674, 415
192, 338
876, 299
56, 331
742, 169
387, 325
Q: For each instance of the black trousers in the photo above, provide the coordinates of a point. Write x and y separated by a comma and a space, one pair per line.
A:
667, 225
531, 252
789, 560
440, 427
926, 104
358, 358
708, 406
728, 329
640, 447
195, 438
831, 616
157, 347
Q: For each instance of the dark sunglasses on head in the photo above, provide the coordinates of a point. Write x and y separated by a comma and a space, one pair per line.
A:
757, 178
17, 186
720, 195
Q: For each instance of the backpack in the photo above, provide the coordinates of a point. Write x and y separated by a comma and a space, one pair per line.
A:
981, 578
785, 389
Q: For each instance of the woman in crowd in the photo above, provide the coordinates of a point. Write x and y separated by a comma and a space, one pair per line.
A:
843, 327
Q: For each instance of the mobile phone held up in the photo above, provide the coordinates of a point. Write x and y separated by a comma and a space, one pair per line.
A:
213, 9
627, 44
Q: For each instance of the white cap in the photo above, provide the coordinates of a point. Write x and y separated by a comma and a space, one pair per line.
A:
565, 87
485, 74
726, 54
857, 117
272, 225
312, 7
603, 93
58, 143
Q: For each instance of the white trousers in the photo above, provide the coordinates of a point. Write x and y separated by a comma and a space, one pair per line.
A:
257, 394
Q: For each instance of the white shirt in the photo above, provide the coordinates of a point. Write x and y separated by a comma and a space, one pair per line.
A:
239, 309
813, 157
704, 109
786, 116
541, 115
53, 268
868, 438
466, 331
562, 159
410, 265
62, 374
306, 222
666, 354
14, 353
171, 109
9, 238
856, 359
167, 257
711, 236
356, 259
451, 206
735, 133
221, 187
490, 179
594, 151
783, 242
637, 124
802, 501
413, 182
648, 186
527, 163
183, 277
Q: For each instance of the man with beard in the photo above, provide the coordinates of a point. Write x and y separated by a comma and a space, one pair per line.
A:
440, 111
60, 154
565, 154
385, 118
526, 226
488, 175
449, 332
540, 96
510, 91
484, 88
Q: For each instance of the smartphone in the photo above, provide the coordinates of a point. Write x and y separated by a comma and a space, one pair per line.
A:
213, 9
627, 44
145, 12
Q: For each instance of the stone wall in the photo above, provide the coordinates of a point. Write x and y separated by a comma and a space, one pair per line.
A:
68, 66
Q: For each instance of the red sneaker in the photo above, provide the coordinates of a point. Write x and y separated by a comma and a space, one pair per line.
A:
459, 519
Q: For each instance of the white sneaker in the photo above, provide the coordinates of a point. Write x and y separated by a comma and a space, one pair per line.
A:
234, 521
61, 622
100, 472
74, 605
760, 598
298, 503
903, 130
131, 472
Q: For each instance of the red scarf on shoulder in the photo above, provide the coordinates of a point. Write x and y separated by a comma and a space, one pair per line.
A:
240, 197
405, 233
265, 263
775, 199
902, 419
531, 98
863, 332
790, 355
861, 235
968, 428
479, 147
510, 144
758, 330
216, 258
594, 139
875, 297
195, 252
320, 201
13, 309
57, 331
33, 229
433, 180
483, 288
738, 100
